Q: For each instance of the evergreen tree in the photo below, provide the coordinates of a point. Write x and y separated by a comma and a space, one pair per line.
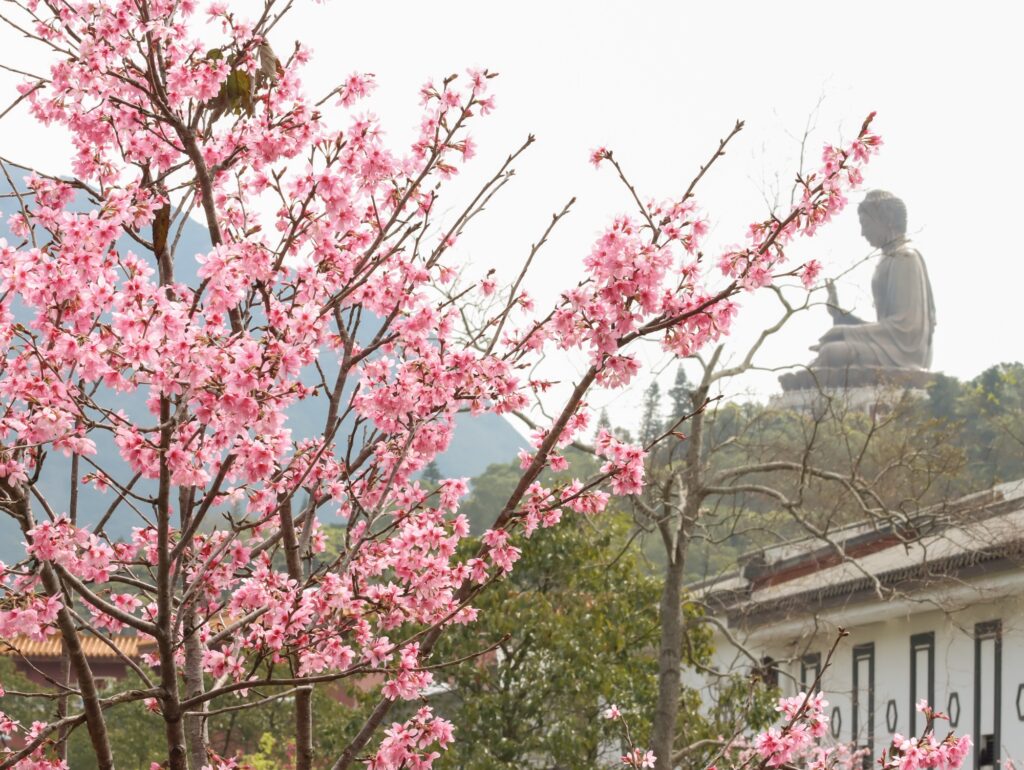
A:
650, 423
431, 474
680, 396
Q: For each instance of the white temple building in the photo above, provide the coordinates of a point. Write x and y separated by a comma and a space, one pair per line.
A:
934, 608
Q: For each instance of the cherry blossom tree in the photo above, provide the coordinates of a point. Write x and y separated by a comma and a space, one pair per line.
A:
330, 280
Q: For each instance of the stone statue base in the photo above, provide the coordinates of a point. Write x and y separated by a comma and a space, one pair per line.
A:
862, 388
855, 377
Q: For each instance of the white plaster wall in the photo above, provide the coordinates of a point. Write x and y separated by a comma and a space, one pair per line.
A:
889, 626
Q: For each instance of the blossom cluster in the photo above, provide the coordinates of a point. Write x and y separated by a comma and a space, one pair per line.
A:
805, 721
796, 742
625, 463
639, 758
928, 750
411, 744
636, 757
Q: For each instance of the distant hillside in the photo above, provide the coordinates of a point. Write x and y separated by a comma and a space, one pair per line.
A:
478, 442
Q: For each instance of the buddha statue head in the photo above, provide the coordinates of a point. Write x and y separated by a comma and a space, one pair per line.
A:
883, 218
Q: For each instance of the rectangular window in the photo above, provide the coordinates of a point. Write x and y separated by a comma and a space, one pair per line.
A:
864, 700
922, 676
988, 674
810, 668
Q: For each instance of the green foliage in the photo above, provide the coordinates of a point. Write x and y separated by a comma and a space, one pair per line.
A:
988, 415
136, 737
264, 758
731, 704
22, 709
572, 629
575, 628
236, 92
137, 734
490, 490
965, 437
907, 458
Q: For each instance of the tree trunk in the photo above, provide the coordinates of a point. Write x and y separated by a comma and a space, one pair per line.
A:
197, 736
170, 703
95, 723
197, 731
663, 730
303, 698
71, 642
62, 701
177, 757
682, 498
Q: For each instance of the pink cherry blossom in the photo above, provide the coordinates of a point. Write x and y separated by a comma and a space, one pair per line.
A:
639, 758
331, 285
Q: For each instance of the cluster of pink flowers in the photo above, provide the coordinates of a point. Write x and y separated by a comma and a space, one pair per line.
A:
805, 721
635, 757
34, 619
841, 756
7, 724
639, 758
625, 463
796, 742
948, 753
928, 751
410, 744
38, 758
77, 550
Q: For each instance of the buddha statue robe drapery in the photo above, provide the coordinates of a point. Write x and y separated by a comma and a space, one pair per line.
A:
901, 338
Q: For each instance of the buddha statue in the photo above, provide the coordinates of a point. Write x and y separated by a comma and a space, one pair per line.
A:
901, 337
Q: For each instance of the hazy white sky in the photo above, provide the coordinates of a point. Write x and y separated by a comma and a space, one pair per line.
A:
660, 82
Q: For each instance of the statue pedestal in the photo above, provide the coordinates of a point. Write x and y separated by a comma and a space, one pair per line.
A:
862, 389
